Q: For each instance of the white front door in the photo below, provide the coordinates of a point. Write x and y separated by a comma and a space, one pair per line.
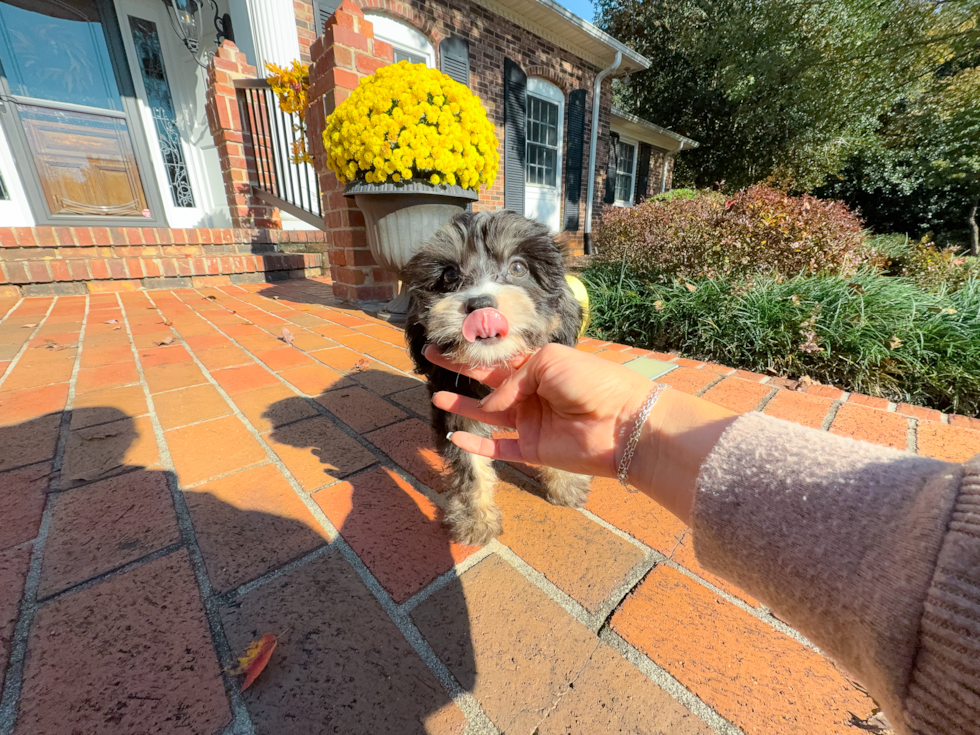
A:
542, 177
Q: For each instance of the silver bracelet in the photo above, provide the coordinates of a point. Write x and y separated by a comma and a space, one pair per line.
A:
634, 439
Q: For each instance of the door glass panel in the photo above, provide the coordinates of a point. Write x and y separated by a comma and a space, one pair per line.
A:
147, 44
542, 142
57, 51
85, 162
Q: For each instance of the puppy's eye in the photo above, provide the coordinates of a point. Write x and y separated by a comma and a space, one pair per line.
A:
450, 274
518, 268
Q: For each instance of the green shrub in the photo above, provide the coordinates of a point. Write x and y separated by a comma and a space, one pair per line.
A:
759, 230
675, 194
868, 333
928, 265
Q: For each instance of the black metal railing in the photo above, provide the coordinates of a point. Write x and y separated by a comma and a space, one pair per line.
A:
273, 135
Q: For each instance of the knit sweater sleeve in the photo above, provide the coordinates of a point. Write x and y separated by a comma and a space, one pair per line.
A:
871, 553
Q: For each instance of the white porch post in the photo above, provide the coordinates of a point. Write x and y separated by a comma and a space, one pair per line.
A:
274, 36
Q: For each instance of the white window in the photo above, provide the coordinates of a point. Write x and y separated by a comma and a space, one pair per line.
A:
408, 43
542, 174
625, 172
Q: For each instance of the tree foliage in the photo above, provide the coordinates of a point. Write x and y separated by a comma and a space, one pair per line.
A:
784, 90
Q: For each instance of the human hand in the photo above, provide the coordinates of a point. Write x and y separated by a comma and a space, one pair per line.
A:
572, 410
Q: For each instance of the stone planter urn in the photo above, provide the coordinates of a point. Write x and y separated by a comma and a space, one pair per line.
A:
399, 218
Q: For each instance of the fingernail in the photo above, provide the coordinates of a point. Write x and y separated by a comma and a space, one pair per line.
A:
479, 404
449, 436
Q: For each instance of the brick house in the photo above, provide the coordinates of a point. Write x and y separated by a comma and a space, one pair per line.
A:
142, 170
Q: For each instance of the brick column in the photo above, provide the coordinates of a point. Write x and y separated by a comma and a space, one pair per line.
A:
340, 57
237, 159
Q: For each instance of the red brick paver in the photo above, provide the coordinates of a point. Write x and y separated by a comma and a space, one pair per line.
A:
163, 507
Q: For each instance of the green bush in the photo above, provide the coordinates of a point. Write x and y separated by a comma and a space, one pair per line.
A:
868, 333
675, 194
760, 230
928, 265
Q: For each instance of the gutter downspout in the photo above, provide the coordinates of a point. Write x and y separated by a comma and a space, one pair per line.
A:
663, 176
593, 139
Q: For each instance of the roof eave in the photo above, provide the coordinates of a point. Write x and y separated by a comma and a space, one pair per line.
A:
683, 142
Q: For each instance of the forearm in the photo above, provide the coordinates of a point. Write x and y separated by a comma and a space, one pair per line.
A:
677, 437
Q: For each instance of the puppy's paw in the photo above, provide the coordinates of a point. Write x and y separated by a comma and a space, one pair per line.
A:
473, 526
564, 488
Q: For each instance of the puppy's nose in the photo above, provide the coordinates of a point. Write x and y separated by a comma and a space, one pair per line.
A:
484, 301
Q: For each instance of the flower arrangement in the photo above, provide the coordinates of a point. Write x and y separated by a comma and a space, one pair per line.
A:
291, 86
407, 122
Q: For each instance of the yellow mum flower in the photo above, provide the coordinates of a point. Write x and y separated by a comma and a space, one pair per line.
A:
407, 120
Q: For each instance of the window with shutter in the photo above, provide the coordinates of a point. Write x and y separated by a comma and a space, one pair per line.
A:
573, 158
515, 117
454, 59
625, 171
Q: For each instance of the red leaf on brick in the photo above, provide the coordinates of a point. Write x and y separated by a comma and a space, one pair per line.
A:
287, 336
362, 364
256, 658
164, 342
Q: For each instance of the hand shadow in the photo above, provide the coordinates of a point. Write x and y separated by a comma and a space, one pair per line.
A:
117, 578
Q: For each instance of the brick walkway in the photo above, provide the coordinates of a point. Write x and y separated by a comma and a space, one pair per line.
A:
177, 481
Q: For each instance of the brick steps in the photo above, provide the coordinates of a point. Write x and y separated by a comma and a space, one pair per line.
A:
75, 260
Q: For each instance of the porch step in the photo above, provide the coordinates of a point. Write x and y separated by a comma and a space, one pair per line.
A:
63, 260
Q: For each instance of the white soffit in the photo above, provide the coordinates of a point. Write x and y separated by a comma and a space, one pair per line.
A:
635, 127
566, 30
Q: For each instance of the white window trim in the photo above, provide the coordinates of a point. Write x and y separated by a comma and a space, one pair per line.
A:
403, 37
545, 90
636, 155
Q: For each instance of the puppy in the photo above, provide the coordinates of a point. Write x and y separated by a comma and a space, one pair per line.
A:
486, 288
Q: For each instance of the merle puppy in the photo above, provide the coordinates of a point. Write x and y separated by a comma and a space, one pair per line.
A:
486, 288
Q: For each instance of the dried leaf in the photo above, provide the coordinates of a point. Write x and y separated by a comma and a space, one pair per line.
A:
691, 287
658, 305
164, 342
362, 364
211, 298
29, 326
287, 336
256, 658
112, 321
167, 323
895, 343
275, 298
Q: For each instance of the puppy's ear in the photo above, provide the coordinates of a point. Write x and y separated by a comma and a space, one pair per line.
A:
416, 338
570, 316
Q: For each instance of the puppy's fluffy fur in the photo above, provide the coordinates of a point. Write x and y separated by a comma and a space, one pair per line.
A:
506, 261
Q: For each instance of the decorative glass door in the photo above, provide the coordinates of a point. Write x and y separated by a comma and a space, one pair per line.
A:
69, 103
542, 174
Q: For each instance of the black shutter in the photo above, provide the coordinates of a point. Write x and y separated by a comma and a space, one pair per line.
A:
610, 196
515, 121
642, 185
573, 158
454, 59
322, 10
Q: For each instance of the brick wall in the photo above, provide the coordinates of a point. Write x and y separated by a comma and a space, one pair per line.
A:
306, 27
66, 260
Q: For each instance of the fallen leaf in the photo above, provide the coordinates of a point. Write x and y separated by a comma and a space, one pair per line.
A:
362, 364
28, 326
287, 336
112, 321
167, 323
164, 342
895, 343
275, 298
691, 287
255, 659
211, 298
658, 305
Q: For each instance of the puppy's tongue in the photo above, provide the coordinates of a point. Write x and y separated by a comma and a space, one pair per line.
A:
485, 323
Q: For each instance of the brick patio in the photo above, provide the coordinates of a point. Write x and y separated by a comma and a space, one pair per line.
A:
176, 481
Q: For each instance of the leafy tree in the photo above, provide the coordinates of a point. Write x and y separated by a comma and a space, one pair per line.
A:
781, 90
